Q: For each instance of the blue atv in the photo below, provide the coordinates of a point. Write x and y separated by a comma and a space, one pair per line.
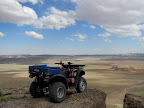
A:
56, 80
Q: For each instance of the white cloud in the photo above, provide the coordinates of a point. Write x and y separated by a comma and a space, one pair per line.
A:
32, 1
142, 38
34, 34
104, 35
70, 39
107, 40
124, 30
13, 12
93, 27
56, 19
138, 38
84, 25
97, 49
1, 34
81, 37
121, 17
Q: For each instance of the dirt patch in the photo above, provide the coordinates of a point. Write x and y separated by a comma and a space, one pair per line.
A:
92, 98
126, 68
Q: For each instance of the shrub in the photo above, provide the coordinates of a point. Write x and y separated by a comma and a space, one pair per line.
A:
11, 97
3, 99
24, 96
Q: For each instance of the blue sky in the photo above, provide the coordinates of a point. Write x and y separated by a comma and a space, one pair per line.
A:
71, 27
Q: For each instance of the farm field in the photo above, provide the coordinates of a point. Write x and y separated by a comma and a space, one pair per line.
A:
99, 73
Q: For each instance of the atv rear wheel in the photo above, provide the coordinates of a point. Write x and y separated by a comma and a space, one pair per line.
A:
82, 85
57, 92
36, 90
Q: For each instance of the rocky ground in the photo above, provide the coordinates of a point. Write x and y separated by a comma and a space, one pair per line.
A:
20, 98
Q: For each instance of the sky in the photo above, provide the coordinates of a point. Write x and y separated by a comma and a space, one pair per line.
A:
71, 27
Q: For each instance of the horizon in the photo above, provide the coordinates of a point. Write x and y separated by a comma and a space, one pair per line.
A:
131, 54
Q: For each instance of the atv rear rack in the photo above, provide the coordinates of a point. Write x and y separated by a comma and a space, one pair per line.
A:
75, 66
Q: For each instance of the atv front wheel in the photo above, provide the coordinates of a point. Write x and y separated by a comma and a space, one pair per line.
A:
35, 90
57, 92
82, 85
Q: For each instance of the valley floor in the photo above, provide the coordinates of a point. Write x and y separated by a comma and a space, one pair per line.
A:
99, 75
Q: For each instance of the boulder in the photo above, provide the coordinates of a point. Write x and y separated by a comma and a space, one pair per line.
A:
133, 101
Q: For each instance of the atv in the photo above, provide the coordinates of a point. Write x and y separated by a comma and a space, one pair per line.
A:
56, 80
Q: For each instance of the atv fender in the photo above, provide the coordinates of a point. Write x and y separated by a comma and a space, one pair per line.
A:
81, 73
58, 78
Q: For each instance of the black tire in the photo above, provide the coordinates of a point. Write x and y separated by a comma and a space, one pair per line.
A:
82, 85
35, 90
57, 92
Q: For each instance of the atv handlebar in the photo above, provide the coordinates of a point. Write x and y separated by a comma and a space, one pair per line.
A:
69, 65
60, 63
57, 63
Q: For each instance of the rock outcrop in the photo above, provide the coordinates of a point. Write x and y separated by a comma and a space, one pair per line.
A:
133, 101
126, 68
92, 98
